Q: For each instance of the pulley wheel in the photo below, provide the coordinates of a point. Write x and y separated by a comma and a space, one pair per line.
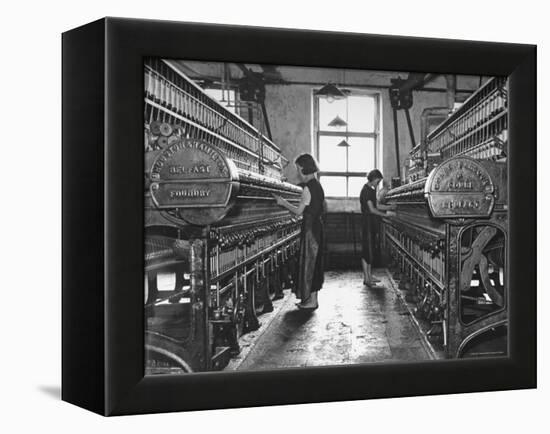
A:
155, 128
165, 129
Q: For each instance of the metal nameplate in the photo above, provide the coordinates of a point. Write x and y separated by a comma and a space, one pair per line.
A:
191, 174
460, 188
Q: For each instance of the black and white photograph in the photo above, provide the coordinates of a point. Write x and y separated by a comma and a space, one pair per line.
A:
298, 217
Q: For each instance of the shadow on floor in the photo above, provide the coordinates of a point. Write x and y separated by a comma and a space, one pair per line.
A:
379, 293
51, 391
297, 318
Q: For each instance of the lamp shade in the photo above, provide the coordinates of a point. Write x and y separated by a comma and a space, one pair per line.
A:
330, 91
337, 122
343, 144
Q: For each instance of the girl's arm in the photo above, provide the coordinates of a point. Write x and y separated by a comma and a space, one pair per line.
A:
298, 210
375, 210
385, 207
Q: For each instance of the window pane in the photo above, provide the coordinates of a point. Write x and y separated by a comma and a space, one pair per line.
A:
328, 111
355, 184
361, 154
334, 185
361, 114
217, 95
332, 158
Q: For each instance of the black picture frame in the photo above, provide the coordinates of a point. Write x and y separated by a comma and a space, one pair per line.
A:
102, 213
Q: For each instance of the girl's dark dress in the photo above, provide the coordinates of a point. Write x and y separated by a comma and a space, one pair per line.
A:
310, 276
369, 224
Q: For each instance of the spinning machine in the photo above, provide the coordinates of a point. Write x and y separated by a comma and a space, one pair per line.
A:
447, 244
218, 248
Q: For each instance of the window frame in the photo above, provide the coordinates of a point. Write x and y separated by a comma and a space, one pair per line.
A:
317, 133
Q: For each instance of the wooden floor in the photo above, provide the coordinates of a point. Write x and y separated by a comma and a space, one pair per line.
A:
353, 324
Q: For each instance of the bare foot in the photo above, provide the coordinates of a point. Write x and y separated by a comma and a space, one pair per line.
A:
307, 307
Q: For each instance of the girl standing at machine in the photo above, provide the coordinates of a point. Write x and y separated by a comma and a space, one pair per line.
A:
311, 206
371, 211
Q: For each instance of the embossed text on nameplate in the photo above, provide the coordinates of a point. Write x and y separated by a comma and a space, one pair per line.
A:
189, 159
191, 173
177, 195
460, 188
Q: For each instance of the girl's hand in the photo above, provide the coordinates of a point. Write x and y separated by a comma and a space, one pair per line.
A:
278, 199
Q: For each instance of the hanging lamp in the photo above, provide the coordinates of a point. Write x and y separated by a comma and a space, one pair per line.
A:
337, 122
343, 144
330, 92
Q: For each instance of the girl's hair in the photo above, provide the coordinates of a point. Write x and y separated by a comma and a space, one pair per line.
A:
374, 174
307, 163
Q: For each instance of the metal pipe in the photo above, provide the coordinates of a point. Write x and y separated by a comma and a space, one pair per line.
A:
416, 81
396, 136
411, 131
214, 83
266, 120
451, 90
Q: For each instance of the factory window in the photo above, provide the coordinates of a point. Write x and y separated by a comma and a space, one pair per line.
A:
346, 135
224, 97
